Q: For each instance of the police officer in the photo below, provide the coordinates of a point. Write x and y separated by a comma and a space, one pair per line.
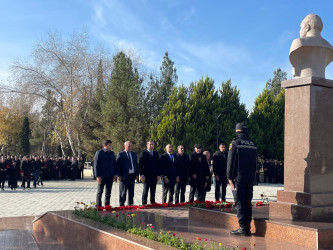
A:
241, 169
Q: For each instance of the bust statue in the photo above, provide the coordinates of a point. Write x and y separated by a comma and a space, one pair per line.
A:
310, 54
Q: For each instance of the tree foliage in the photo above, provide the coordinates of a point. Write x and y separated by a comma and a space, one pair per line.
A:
274, 85
122, 116
191, 115
24, 143
267, 120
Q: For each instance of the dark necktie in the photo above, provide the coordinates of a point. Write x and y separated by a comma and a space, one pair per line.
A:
171, 156
151, 153
130, 158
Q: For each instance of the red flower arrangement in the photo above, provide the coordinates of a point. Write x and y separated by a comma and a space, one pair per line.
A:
207, 204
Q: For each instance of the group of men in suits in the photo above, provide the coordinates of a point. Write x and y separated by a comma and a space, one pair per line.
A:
174, 169
239, 166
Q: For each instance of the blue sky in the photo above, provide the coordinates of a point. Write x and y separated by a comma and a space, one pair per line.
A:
242, 40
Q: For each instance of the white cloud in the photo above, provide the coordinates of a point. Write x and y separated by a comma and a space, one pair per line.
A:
187, 69
286, 38
188, 15
216, 54
98, 15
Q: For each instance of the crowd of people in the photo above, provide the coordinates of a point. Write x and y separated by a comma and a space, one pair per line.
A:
273, 171
37, 168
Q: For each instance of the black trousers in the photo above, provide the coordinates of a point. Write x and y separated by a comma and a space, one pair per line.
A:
107, 182
12, 181
200, 190
26, 179
127, 184
221, 184
180, 190
168, 188
243, 194
150, 185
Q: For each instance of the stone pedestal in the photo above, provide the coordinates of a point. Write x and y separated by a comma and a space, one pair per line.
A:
308, 151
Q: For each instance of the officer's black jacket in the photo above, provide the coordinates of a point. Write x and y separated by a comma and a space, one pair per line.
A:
242, 159
220, 163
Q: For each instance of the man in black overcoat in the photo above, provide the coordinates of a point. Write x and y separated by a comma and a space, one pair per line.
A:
105, 172
149, 172
199, 172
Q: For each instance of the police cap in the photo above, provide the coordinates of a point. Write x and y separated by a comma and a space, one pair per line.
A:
241, 127
197, 146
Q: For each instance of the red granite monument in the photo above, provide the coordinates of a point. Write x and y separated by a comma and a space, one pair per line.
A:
308, 150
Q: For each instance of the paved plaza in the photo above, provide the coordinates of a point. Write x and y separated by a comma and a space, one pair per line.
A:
62, 195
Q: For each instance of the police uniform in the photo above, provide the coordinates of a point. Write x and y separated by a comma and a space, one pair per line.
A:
241, 169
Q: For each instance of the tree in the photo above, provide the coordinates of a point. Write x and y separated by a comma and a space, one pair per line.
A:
201, 113
169, 126
10, 129
232, 111
159, 90
24, 143
274, 85
93, 129
67, 69
169, 77
122, 116
267, 119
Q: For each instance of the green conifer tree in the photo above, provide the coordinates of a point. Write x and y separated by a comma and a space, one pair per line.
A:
122, 115
24, 143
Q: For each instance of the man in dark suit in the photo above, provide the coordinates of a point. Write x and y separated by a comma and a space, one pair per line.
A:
104, 171
220, 171
128, 171
149, 172
183, 168
199, 172
170, 173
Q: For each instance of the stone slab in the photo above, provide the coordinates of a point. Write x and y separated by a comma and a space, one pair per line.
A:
65, 232
310, 80
175, 220
304, 234
302, 198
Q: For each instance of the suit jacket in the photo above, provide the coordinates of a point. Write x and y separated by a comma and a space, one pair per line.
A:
169, 168
104, 164
123, 164
149, 166
183, 167
199, 166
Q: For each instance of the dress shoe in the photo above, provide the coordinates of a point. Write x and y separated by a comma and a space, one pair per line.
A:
241, 231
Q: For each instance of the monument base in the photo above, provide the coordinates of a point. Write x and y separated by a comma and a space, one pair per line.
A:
313, 235
303, 206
